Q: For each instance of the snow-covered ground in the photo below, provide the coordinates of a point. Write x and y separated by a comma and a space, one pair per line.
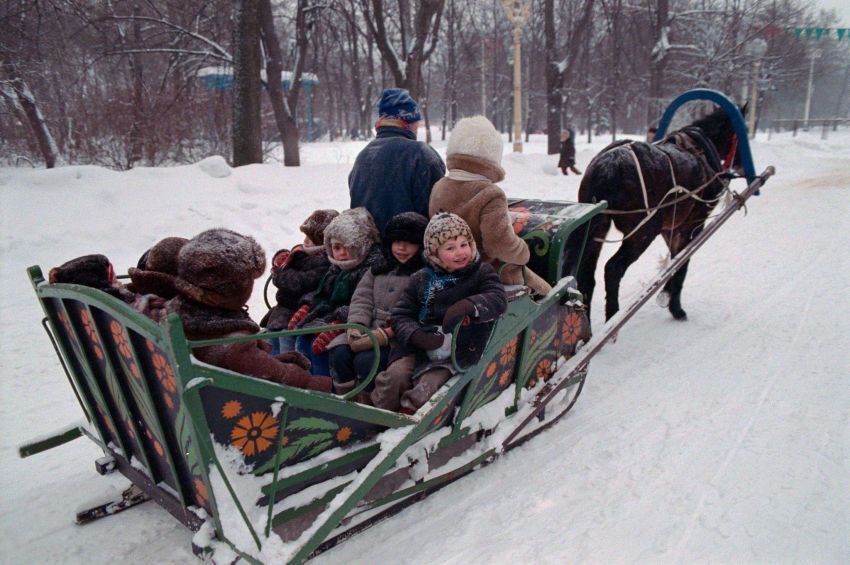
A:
723, 439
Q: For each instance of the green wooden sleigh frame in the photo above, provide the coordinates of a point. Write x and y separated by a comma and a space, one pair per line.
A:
272, 473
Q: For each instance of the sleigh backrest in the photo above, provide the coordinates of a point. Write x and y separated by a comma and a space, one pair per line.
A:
122, 368
545, 225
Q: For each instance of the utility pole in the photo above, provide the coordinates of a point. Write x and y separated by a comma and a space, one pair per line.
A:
757, 49
517, 12
815, 55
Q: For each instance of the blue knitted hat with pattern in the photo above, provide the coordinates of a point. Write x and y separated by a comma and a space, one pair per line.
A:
397, 103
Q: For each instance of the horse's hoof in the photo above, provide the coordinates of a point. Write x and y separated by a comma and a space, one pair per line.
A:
679, 314
663, 299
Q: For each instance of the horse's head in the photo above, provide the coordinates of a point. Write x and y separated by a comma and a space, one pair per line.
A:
717, 126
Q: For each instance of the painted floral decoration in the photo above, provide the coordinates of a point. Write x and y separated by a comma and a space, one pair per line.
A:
255, 433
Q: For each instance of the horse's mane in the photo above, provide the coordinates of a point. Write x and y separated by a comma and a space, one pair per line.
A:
717, 127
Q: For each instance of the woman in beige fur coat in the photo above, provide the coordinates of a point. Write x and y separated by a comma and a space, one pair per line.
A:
473, 159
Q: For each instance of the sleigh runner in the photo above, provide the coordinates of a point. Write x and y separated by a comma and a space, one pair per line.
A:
272, 473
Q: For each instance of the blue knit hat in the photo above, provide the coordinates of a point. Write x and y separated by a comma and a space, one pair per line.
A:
397, 103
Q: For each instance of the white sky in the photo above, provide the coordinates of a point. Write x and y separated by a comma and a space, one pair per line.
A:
842, 8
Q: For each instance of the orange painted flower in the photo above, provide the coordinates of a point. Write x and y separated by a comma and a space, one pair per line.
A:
284, 441
343, 434
231, 409
544, 369
200, 491
134, 369
491, 370
121, 341
439, 419
88, 325
505, 377
168, 400
158, 447
255, 433
63, 317
164, 372
150, 345
571, 331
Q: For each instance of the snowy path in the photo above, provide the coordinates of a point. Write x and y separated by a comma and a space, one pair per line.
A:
724, 439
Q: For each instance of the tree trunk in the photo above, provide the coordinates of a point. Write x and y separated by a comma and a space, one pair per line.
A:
655, 104
283, 113
38, 126
554, 81
247, 127
137, 128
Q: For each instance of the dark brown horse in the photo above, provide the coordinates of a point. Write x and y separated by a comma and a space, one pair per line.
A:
636, 179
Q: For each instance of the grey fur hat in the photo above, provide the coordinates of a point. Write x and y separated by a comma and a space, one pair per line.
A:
218, 267
356, 230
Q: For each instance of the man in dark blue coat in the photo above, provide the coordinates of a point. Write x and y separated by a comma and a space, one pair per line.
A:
395, 173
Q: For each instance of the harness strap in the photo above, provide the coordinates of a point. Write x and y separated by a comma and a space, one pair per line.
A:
727, 163
640, 176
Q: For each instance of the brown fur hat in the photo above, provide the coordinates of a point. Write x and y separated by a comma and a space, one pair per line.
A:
315, 224
218, 267
443, 227
157, 268
88, 270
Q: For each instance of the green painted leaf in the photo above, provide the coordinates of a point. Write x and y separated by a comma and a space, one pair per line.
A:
320, 448
308, 423
309, 440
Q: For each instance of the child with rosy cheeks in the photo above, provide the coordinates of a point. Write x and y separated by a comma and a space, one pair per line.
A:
378, 291
351, 244
454, 287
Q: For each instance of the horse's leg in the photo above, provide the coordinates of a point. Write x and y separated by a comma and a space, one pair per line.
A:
615, 268
585, 272
676, 242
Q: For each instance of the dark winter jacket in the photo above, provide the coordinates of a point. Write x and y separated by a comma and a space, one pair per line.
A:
379, 290
424, 304
329, 302
301, 275
568, 152
249, 357
394, 173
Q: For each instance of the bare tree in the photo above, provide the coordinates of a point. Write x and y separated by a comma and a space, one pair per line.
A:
28, 104
285, 106
405, 47
247, 128
559, 66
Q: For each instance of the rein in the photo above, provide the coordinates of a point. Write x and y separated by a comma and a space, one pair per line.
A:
712, 163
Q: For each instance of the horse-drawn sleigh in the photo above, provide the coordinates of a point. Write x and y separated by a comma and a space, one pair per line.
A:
271, 473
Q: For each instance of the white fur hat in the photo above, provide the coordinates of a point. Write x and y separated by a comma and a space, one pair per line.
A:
476, 136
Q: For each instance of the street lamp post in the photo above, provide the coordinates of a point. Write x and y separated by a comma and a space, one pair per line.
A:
757, 49
815, 55
517, 12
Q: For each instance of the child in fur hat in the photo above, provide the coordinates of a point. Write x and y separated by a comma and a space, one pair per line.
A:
152, 280
296, 272
474, 157
455, 286
215, 278
376, 294
157, 268
94, 271
351, 244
